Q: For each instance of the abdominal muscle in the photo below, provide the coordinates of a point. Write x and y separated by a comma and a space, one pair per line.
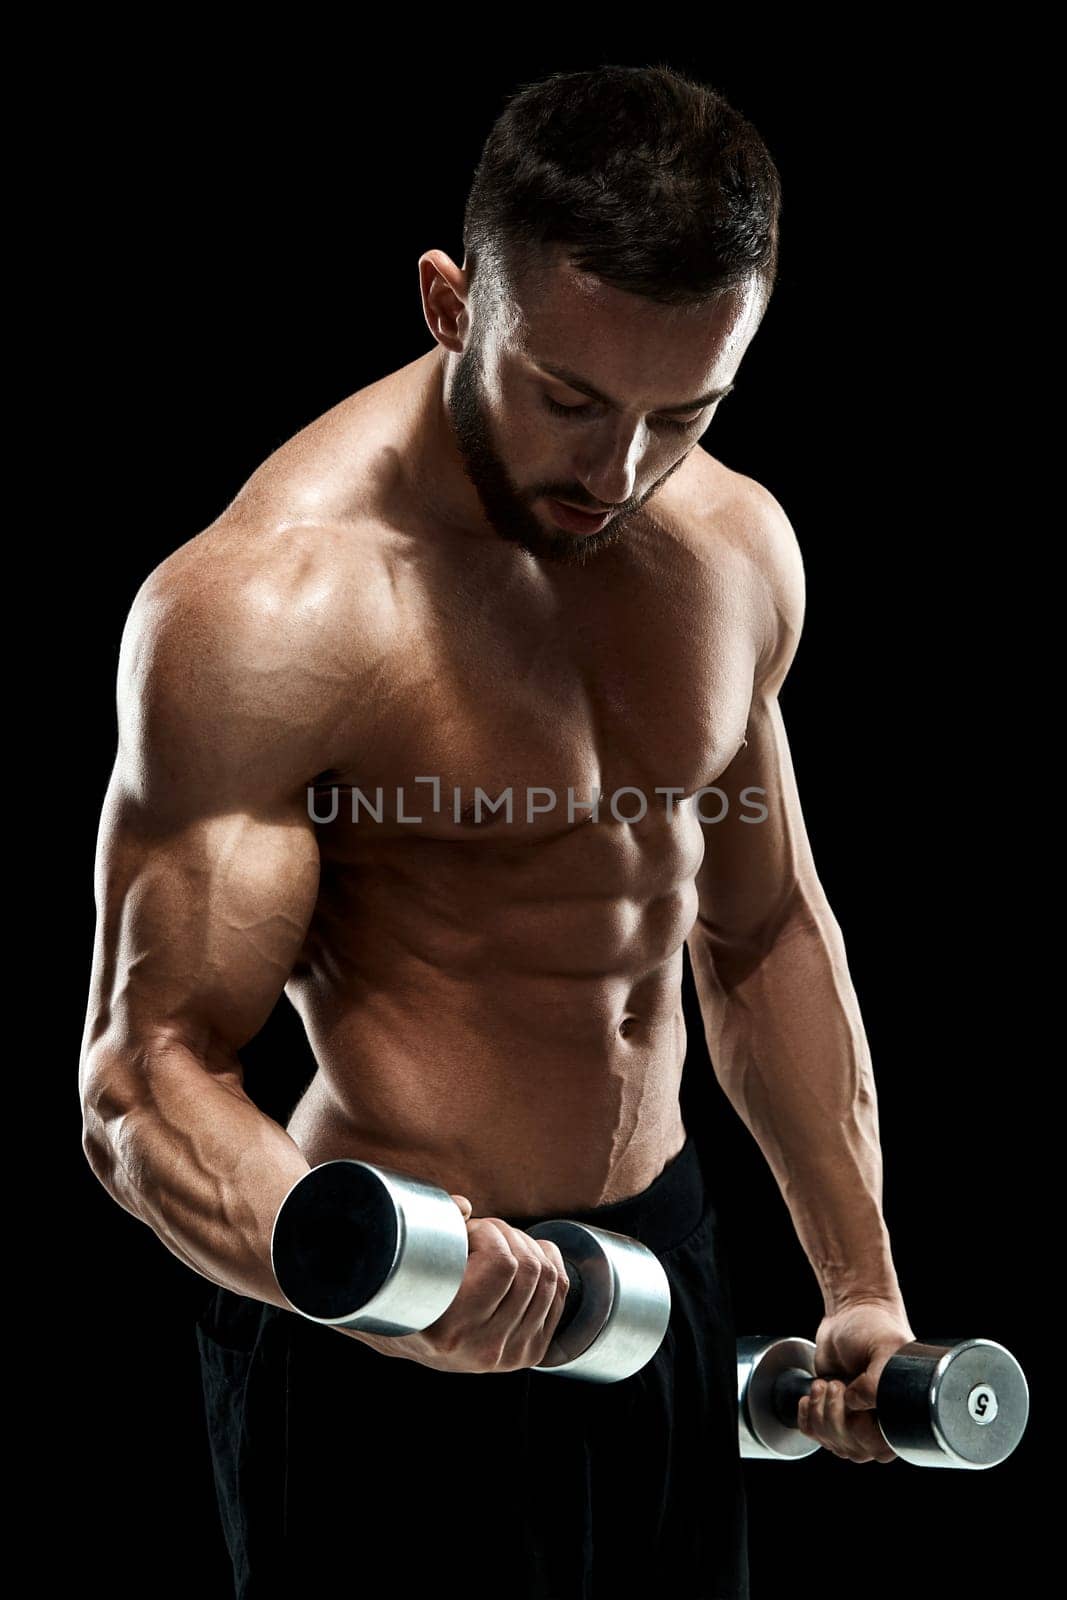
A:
536, 1093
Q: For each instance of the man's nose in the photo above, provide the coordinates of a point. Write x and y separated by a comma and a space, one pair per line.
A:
607, 470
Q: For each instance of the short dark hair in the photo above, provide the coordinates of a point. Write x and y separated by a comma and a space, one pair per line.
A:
648, 179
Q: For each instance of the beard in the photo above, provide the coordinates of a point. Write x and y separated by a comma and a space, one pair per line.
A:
506, 507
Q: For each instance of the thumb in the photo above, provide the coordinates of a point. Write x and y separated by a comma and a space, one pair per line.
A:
464, 1205
861, 1393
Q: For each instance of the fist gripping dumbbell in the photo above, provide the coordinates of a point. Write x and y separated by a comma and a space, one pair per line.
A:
950, 1403
360, 1246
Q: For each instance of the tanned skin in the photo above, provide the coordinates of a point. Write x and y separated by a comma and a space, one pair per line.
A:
493, 1006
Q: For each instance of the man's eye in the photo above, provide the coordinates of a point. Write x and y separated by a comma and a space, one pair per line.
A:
580, 411
565, 411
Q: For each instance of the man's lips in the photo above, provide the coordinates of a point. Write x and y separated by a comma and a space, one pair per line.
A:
576, 520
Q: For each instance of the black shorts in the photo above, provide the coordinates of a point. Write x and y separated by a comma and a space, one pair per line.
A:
334, 1462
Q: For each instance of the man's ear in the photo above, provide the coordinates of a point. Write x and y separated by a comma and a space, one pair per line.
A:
445, 298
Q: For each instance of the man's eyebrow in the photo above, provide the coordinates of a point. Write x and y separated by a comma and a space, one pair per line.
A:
585, 387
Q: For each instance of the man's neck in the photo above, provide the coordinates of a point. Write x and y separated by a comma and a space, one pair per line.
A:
434, 465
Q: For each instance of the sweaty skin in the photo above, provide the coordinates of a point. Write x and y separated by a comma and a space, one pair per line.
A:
493, 1005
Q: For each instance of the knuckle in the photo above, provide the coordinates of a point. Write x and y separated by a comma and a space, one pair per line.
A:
554, 1254
550, 1278
507, 1270
498, 1266
487, 1273
490, 1238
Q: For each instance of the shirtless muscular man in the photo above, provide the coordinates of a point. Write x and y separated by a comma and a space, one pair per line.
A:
503, 568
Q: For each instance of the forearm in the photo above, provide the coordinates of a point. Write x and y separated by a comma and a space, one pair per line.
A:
788, 1046
186, 1151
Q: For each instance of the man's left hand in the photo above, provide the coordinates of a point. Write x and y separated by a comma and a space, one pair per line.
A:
851, 1348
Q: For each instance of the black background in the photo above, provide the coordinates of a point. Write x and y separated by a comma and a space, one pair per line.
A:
241, 246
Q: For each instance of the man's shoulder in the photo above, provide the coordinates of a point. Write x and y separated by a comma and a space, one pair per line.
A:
259, 624
739, 522
730, 512
731, 506
276, 579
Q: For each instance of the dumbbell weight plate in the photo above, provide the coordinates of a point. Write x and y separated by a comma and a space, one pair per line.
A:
762, 1434
953, 1403
360, 1246
617, 1323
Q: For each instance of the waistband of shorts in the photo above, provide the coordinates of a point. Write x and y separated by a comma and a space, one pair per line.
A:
661, 1216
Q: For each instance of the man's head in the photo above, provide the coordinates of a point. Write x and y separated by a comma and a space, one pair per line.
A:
621, 246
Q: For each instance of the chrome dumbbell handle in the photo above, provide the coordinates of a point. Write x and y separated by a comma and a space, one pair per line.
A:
573, 1302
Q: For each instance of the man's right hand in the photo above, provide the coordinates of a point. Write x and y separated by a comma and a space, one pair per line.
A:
505, 1311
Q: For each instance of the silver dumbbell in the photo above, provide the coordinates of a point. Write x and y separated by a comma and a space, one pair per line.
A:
361, 1246
949, 1403
617, 1307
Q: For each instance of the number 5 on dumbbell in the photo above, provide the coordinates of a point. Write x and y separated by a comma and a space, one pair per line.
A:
356, 1245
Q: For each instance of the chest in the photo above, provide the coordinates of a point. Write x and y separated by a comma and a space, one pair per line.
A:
644, 688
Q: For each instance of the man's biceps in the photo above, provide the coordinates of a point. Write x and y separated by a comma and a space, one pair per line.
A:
259, 896
243, 878
231, 894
